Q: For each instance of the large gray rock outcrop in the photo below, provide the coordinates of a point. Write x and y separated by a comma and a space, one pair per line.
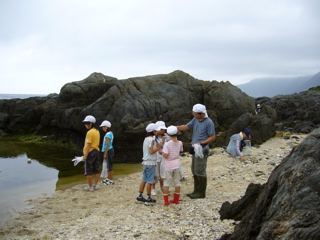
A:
262, 125
299, 112
288, 205
26, 115
133, 103
85, 92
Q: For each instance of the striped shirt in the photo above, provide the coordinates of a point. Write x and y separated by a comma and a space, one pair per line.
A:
173, 149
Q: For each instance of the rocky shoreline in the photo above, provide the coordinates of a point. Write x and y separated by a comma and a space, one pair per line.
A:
111, 211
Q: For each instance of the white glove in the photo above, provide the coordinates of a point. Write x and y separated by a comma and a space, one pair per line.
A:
198, 150
76, 160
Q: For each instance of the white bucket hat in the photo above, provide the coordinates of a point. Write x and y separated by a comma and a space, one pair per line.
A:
161, 125
172, 130
199, 108
151, 127
105, 124
89, 118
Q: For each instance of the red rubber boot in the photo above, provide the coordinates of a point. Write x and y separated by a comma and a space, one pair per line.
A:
166, 199
175, 198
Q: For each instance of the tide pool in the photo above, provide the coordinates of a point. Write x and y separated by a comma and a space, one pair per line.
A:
29, 171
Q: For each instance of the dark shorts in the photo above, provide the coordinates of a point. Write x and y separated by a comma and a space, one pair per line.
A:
91, 165
109, 159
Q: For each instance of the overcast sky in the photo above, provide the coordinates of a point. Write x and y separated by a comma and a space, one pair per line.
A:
45, 44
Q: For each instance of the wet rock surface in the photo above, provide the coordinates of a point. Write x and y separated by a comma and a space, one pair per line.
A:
287, 206
299, 112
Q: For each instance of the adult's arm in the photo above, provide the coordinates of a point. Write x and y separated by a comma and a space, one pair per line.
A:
209, 139
183, 128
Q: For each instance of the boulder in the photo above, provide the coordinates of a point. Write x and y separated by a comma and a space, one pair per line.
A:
239, 208
130, 105
262, 125
287, 206
85, 92
21, 115
299, 112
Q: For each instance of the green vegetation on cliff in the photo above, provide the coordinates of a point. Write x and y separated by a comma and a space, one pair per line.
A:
46, 141
316, 89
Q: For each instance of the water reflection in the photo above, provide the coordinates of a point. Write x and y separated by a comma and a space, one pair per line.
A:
20, 180
50, 169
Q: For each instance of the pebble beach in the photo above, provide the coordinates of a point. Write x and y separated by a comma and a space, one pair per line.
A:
111, 212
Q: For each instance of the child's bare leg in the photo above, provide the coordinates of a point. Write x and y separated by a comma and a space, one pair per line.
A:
142, 186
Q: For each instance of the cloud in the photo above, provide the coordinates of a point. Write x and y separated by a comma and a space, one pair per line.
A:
45, 44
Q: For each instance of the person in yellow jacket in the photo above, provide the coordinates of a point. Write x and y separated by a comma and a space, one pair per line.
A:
91, 153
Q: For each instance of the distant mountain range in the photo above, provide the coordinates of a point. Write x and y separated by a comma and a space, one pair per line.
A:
270, 87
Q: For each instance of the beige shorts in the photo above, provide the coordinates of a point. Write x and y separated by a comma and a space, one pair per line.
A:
172, 175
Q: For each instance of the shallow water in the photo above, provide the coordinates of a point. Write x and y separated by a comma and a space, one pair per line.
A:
21, 96
29, 171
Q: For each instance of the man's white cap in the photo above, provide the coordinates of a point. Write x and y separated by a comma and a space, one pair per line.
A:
105, 124
172, 130
89, 118
199, 108
151, 127
161, 125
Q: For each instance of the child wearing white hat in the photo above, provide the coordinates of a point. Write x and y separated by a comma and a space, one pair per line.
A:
108, 151
91, 153
160, 137
171, 153
149, 164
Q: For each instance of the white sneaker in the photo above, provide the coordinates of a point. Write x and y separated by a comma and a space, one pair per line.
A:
89, 189
153, 192
183, 178
95, 187
108, 182
104, 181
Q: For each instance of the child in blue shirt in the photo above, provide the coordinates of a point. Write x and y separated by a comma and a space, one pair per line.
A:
108, 151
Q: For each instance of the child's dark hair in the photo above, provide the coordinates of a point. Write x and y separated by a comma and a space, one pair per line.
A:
175, 135
92, 124
150, 134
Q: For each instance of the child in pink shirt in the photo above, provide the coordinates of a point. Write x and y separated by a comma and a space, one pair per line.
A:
171, 153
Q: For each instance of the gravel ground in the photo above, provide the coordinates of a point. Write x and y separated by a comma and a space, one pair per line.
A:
112, 212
